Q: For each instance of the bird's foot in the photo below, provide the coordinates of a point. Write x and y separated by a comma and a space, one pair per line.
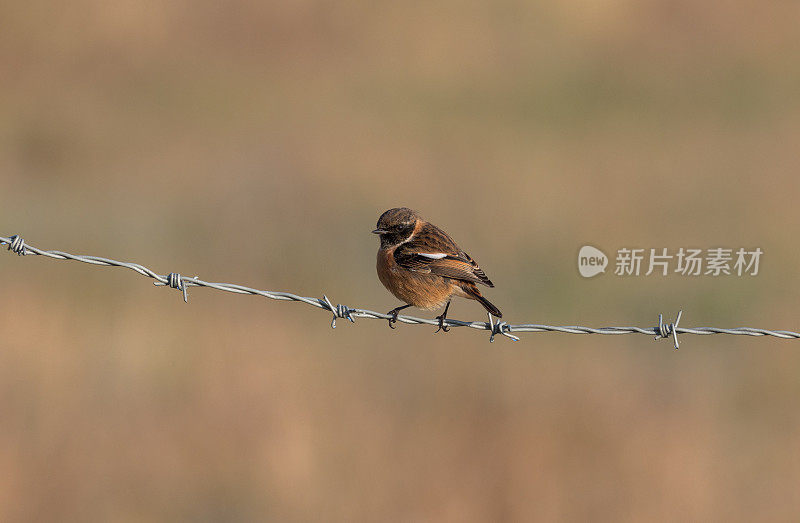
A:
393, 314
393, 319
442, 326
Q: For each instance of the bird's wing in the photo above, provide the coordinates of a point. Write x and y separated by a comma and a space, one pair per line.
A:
431, 250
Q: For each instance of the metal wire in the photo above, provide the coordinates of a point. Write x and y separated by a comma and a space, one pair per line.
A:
176, 281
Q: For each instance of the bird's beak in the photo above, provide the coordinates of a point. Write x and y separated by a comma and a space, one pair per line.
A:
379, 231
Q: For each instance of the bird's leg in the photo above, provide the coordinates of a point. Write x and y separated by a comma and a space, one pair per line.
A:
393, 313
441, 318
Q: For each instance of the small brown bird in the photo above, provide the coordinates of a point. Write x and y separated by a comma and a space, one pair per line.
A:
421, 265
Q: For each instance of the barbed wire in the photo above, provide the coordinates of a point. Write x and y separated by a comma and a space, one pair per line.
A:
175, 280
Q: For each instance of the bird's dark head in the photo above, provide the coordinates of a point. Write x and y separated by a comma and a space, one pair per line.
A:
396, 225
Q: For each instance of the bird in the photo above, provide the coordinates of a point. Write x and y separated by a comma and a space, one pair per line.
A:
421, 265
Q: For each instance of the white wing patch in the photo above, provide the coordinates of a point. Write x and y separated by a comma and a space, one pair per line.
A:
432, 256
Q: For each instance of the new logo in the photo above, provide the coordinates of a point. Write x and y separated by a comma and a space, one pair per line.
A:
591, 261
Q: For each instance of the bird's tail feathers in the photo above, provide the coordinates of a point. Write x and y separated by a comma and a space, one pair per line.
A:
489, 306
473, 291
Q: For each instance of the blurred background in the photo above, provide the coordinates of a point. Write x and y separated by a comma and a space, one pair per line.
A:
258, 142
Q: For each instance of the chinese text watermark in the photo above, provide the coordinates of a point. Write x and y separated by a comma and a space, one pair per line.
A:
717, 261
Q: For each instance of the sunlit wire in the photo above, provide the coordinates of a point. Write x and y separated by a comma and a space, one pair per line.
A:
176, 281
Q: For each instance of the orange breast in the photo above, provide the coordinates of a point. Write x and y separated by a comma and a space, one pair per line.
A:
386, 266
426, 291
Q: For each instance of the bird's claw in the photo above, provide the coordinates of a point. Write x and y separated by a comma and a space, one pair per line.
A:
393, 319
442, 326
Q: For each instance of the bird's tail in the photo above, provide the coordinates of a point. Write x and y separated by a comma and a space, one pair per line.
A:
473, 291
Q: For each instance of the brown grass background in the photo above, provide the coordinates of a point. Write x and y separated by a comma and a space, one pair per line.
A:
257, 142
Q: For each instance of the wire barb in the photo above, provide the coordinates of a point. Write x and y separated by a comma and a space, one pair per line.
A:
340, 311
176, 281
665, 330
17, 245
500, 327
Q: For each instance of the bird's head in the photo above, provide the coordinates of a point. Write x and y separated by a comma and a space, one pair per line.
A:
396, 225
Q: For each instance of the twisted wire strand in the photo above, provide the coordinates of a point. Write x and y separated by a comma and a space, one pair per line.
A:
175, 280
